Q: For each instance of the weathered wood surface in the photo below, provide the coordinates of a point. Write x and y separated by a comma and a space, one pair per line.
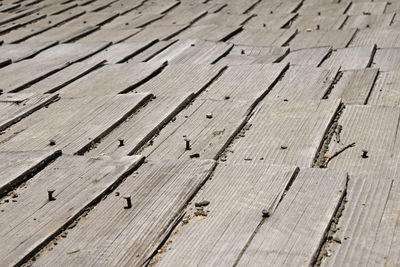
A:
73, 124
223, 19
78, 183
387, 59
368, 230
281, 132
159, 191
209, 125
327, 9
127, 22
386, 91
263, 37
249, 55
155, 49
277, 7
308, 56
18, 52
110, 35
239, 7
270, 22
354, 86
304, 83
17, 167
314, 38
125, 77
325, 23
236, 194
383, 37
157, 32
361, 8
209, 32
351, 58
368, 21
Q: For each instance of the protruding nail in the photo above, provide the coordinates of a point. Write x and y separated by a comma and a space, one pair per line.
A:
265, 213
364, 154
319, 13
242, 52
317, 26
52, 142
128, 202
283, 146
187, 140
50, 194
121, 142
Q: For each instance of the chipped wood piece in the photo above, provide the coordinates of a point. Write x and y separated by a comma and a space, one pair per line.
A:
269, 21
223, 19
300, 126
209, 32
125, 77
14, 107
249, 55
236, 194
325, 23
304, 83
109, 35
159, 191
386, 90
351, 58
161, 33
371, 21
335, 38
142, 126
383, 37
369, 221
367, 8
208, 137
17, 167
354, 86
295, 232
262, 37
178, 79
74, 124
193, 52
78, 182
387, 59
248, 83
372, 128
308, 56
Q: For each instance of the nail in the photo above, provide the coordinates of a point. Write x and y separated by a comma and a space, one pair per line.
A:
283, 146
52, 142
50, 194
317, 27
187, 144
364, 154
265, 213
121, 142
128, 202
319, 13
242, 52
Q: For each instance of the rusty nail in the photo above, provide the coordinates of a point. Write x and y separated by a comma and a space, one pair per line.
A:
121, 142
50, 194
283, 146
128, 202
317, 26
364, 154
265, 213
52, 142
187, 144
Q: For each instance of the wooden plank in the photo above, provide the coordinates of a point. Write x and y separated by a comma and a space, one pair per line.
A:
271, 21
249, 55
179, 79
78, 183
156, 32
185, 17
277, 7
130, 21
239, 7
308, 56
335, 38
18, 167
153, 7
368, 230
126, 77
326, 23
18, 52
261, 37
354, 86
387, 59
383, 37
247, 83
109, 35
368, 21
362, 8
62, 34
193, 52
304, 83
386, 90
141, 127
325, 9
209, 32
236, 194
15, 107
223, 19
351, 58
373, 128
159, 190
295, 232
152, 51
44, 64
71, 124
289, 133
209, 124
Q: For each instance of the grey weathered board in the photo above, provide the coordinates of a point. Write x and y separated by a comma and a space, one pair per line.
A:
270, 22
239, 7
141, 126
284, 133
78, 182
210, 32
156, 32
152, 51
277, 7
361, 8
110, 35
128, 21
368, 230
303, 23
124, 77
193, 52
351, 58
159, 192
153, 7
248, 83
368, 21
74, 124
383, 37
178, 79
18, 52
308, 56
387, 59
354, 86
372, 128
320, 8
314, 38
248, 55
223, 19
386, 90
263, 37
186, 16
15, 107
304, 83
17, 167
209, 125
